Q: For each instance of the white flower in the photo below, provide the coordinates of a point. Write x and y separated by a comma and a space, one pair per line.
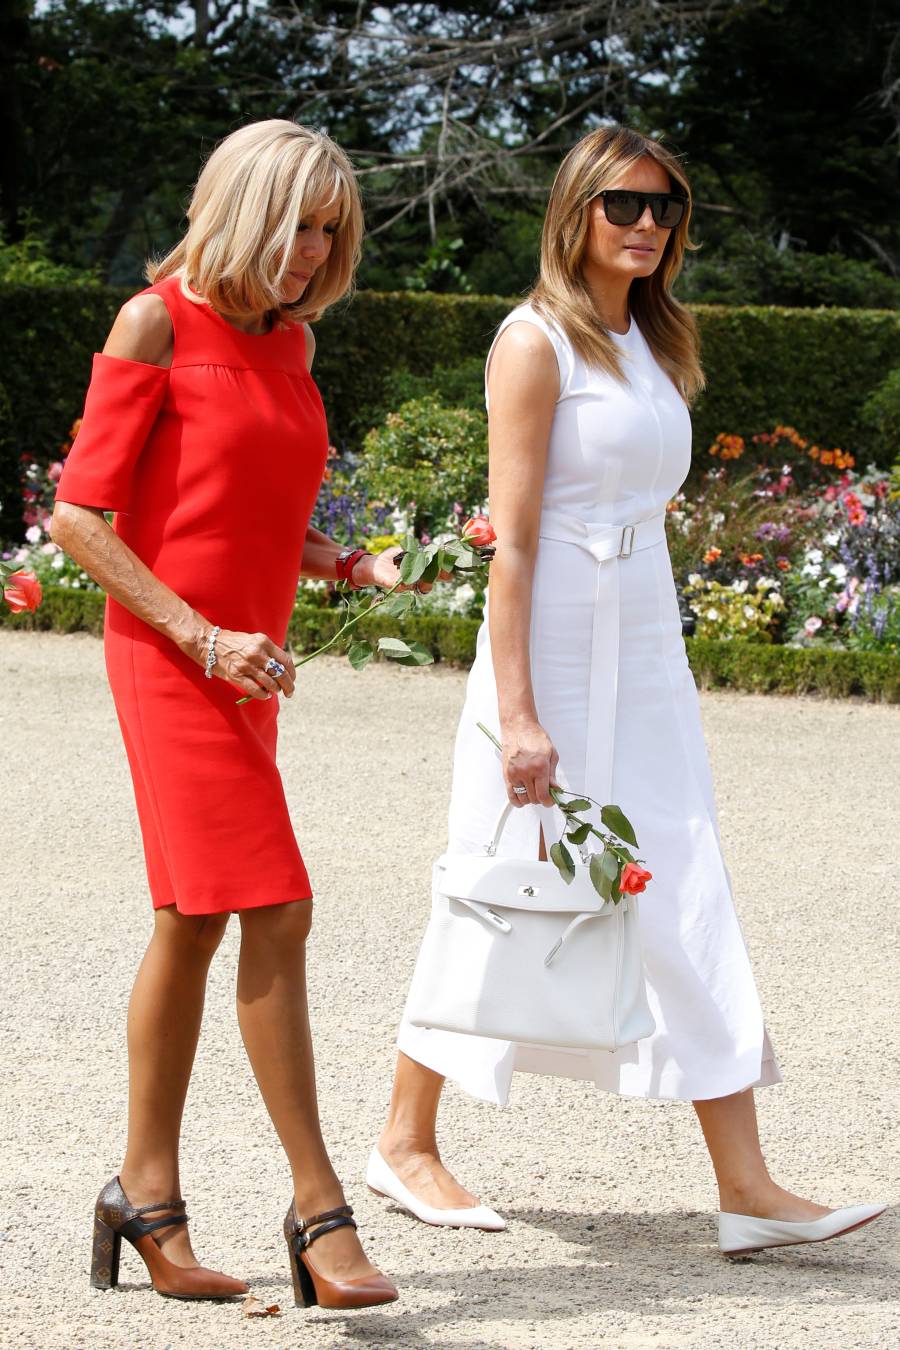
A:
694, 578
33, 534
824, 583
838, 571
49, 547
767, 584
717, 518
740, 585
76, 585
812, 625
810, 569
59, 561
832, 538
776, 600
462, 597
712, 614
814, 555
750, 612
399, 521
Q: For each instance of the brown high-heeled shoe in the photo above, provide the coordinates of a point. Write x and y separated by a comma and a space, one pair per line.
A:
115, 1217
311, 1287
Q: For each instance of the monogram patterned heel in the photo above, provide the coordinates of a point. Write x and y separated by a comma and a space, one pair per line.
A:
115, 1218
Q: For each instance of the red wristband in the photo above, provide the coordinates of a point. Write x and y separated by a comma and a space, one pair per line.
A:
345, 562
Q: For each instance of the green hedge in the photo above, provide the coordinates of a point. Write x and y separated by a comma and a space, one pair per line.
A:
749, 666
811, 368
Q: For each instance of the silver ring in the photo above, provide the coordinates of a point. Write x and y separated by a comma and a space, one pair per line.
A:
274, 668
520, 791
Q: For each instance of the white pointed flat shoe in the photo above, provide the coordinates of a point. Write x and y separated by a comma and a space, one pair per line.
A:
740, 1234
381, 1179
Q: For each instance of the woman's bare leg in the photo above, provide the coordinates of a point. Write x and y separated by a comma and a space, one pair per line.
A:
272, 1011
408, 1141
164, 1017
745, 1187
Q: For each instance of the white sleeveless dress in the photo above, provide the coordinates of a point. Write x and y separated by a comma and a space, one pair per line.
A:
616, 696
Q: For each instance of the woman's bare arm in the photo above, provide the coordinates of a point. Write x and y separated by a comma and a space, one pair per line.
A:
143, 332
523, 385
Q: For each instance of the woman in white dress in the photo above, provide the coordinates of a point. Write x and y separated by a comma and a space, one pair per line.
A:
581, 672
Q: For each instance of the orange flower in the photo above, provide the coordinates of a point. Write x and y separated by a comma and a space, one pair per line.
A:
783, 564
748, 559
634, 879
712, 554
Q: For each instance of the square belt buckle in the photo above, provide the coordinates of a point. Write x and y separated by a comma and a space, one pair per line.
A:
623, 553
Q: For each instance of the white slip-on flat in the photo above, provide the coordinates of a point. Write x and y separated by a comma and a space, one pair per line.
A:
740, 1234
381, 1179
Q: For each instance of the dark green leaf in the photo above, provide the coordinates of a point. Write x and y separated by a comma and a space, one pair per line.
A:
579, 835
397, 604
577, 804
419, 655
614, 820
610, 864
561, 856
599, 878
360, 654
431, 571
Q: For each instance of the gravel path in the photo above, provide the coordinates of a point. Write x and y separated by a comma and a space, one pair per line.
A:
611, 1201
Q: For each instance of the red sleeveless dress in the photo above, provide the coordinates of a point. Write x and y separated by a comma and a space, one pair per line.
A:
212, 468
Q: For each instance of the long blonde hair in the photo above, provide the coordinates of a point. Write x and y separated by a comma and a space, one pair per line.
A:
561, 293
252, 193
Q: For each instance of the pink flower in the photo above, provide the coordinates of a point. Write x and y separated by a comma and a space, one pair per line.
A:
634, 879
479, 531
812, 625
54, 473
22, 591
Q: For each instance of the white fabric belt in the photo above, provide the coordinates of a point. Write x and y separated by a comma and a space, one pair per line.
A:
609, 545
603, 541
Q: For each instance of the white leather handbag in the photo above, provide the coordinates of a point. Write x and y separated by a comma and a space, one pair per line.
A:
513, 952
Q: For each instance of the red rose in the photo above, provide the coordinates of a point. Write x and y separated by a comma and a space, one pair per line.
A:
634, 879
479, 531
22, 591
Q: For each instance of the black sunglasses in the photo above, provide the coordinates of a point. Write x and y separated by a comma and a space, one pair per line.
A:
624, 208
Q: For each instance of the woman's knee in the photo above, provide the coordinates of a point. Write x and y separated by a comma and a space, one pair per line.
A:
283, 926
190, 936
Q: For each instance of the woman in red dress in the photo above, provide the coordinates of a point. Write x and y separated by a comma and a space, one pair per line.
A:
204, 432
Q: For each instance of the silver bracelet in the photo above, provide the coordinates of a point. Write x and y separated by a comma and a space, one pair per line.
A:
211, 653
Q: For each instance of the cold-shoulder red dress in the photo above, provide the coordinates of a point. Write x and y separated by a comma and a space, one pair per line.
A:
212, 468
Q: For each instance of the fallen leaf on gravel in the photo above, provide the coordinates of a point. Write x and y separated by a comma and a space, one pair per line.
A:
251, 1307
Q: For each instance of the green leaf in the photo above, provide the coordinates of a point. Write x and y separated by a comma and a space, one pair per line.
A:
561, 856
431, 571
600, 880
419, 655
412, 567
578, 804
610, 864
397, 604
616, 821
393, 647
579, 835
360, 654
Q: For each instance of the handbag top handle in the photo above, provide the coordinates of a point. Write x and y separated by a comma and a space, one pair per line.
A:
490, 847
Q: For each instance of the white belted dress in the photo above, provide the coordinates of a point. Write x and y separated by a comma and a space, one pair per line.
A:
616, 696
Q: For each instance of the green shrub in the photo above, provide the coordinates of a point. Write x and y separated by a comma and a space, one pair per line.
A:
459, 386
749, 666
429, 454
812, 369
881, 416
756, 272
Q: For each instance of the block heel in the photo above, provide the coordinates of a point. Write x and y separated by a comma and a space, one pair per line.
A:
105, 1256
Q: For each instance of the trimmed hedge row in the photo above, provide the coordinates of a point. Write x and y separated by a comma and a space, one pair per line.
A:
752, 667
811, 368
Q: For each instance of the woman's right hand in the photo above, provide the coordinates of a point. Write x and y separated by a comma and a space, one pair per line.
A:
241, 660
529, 761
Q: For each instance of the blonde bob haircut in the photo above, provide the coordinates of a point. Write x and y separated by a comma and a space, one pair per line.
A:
561, 293
254, 190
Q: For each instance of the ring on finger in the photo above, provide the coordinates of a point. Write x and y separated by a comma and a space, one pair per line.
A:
274, 668
520, 791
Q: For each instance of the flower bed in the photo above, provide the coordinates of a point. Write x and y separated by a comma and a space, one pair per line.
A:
717, 663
